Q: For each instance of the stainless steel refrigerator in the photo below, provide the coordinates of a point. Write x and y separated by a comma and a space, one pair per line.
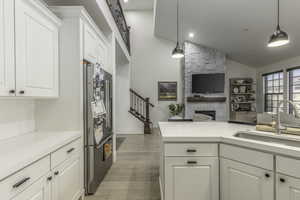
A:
97, 125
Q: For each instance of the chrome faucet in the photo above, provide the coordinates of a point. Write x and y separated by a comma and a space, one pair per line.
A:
278, 123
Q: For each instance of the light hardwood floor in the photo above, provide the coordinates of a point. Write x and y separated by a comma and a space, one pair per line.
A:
135, 174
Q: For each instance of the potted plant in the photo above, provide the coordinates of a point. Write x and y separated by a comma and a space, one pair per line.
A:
175, 110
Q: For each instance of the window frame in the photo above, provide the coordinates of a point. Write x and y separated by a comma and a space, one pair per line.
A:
272, 94
290, 85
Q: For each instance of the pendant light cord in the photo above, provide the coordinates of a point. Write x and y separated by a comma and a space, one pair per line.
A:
278, 15
177, 21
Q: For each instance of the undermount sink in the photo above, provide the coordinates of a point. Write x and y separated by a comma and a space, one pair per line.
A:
275, 139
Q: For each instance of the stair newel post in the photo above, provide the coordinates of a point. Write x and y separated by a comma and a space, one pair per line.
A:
147, 129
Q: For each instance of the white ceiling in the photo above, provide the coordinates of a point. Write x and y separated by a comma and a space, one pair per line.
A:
239, 28
138, 4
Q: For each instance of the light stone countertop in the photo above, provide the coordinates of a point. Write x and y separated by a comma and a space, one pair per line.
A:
223, 132
18, 152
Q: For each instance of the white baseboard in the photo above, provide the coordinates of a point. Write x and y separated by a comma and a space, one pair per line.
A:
129, 133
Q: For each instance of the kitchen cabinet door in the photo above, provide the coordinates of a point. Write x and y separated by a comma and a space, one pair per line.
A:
67, 183
7, 65
288, 188
40, 190
36, 50
191, 178
90, 44
242, 181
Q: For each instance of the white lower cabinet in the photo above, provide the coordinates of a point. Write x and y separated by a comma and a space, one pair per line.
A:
67, 180
40, 181
244, 182
288, 188
191, 178
40, 190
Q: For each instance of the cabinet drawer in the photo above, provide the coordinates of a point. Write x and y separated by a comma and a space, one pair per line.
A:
191, 149
16, 183
251, 157
288, 166
65, 152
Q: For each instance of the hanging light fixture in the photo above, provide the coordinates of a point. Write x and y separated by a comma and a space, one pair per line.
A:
178, 51
279, 37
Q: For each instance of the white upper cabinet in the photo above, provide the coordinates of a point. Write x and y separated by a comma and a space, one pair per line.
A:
7, 65
37, 43
96, 47
90, 44
242, 181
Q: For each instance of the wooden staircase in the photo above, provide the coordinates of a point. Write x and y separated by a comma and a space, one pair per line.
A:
140, 108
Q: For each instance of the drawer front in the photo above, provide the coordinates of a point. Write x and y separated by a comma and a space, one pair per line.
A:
251, 157
191, 149
65, 152
288, 166
16, 183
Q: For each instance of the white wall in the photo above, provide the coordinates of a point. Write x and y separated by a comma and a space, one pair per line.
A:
281, 65
151, 62
16, 117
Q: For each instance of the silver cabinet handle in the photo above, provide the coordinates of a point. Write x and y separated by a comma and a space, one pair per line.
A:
191, 162
21, 182
191, 150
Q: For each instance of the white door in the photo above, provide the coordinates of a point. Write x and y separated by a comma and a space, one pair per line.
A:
7, 65
36, 50
244, 182
194, 178
40, 190
288, 188
90, 44
67, 180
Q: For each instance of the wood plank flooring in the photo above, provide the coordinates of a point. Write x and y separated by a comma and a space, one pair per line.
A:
135, 175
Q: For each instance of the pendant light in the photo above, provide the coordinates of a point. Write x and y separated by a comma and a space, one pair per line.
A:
178, 51
279, 37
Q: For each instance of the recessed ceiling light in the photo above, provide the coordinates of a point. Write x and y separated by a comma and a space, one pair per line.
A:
125, 1
191, 35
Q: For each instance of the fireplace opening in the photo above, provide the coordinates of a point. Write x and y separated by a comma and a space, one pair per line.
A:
211, 113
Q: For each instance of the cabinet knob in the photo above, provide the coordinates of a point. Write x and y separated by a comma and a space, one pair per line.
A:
191, 162
267, 175
56, 173
22, 92
12, 91
282, 180
49, 178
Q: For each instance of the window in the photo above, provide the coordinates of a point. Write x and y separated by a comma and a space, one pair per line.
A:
273, 83
294, 86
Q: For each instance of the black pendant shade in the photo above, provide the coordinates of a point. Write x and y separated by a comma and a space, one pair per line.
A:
279, 37
178, 51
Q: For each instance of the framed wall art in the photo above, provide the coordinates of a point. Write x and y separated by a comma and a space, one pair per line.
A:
167, 91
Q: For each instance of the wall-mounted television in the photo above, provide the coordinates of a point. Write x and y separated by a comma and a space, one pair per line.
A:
208, 83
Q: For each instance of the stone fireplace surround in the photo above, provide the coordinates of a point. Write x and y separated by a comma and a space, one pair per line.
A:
202, 60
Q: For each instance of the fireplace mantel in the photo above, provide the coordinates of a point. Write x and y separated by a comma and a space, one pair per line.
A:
205, 99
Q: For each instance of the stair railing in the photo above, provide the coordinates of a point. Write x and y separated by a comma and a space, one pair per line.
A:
140, 108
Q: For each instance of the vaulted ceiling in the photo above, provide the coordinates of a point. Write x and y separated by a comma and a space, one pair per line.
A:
239, 28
